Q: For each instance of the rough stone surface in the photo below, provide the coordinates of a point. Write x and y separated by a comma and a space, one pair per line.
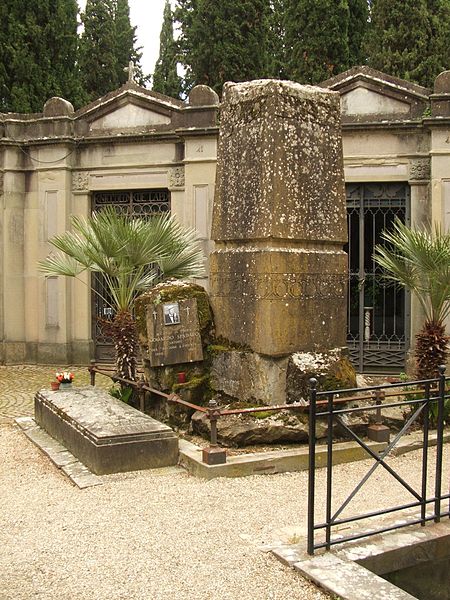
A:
278, 274
332, 370
246, 430
105, 434
349, 580
165, 377
249, 377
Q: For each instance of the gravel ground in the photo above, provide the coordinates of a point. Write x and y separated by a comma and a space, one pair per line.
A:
157, 534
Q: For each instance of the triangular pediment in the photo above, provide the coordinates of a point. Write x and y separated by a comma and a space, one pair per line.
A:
129, 116
370, 95
131, 108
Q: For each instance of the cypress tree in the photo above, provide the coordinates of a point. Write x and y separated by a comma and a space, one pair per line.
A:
184, 15
398, 41
277, 58
316, 39
165, 77
226, 40
38, 44
357, 30
126, 50
437, 58
5, 58
98, 58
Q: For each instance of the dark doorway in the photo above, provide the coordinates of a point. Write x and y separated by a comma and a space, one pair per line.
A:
378, 312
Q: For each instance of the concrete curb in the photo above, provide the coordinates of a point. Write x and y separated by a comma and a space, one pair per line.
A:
355, 570
282, 461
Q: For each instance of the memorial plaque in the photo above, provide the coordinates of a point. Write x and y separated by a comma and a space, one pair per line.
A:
174, 333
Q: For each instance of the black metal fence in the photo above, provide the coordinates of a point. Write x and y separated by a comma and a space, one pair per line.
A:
426, 400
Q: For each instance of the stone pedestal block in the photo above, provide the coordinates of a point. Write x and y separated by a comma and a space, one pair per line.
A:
280, 300
104, 433
278, 274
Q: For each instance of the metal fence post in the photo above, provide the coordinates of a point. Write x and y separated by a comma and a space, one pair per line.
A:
141, 393
312, 462
91, 370
426, 424
439, 445
213, 455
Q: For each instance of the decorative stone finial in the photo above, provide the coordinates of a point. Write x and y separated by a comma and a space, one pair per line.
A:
58, 107
131, 69
203, 95
442, 83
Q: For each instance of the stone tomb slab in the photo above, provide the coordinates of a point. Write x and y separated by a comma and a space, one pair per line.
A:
105, 434
173, 333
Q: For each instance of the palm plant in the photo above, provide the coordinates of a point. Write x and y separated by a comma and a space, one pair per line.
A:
132, 255
419, 260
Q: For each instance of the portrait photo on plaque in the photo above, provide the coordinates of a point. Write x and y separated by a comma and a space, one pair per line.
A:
171, 313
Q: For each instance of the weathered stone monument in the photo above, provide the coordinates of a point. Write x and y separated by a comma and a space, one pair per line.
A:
279, 272
174, 323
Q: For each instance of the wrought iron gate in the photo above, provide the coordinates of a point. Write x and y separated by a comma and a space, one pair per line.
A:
139, 203
378, 313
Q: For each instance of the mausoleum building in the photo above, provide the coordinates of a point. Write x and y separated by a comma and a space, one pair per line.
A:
148, 153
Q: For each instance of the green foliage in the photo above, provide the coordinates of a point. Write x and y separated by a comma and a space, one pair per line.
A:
436, 58
405, 36
224, 41
98, 51
357, 30
277, 55
121, 393
184, 15
165, 78
420, 261
38, 49
126, 50
316, 39
133, 255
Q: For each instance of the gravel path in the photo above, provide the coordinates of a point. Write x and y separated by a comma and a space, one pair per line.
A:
154, 535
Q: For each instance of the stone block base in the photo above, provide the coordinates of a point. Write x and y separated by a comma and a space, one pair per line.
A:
246, 376
277, 301
104, 433
214, 456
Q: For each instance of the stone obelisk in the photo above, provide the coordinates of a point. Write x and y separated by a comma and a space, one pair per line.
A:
279, 272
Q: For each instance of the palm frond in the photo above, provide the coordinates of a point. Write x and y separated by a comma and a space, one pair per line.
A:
132, 253
60, 264
419, 259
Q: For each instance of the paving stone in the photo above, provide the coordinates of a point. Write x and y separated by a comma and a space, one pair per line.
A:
25, 423
348, 579
80, 475
62, 458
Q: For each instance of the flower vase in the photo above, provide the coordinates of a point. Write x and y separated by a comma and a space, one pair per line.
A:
65, 385
55, 385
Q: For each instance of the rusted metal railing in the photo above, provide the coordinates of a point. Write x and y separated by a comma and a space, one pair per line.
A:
215, 454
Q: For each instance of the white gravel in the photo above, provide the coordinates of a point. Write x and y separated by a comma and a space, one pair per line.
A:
154, 535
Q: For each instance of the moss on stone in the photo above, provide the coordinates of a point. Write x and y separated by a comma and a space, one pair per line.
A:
342, 376
263, 414
173, 292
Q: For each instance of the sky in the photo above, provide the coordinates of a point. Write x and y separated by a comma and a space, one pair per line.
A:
147, 16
